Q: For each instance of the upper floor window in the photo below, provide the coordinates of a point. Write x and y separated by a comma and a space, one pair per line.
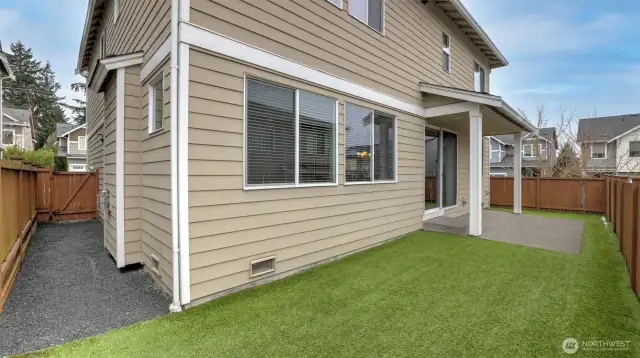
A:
446, 52
116, 10
371, 12
530, 151
103, 45
370, 145
82, 142
478, 77
8, 136
291, 136
497, 152
599, 150
337, 3
634, 149
156, 104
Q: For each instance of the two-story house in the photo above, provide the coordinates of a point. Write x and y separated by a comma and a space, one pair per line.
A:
538, 153
72, 144
243, 141
610, 145
17, 128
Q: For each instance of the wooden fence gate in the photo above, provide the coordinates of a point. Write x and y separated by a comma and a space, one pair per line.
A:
64, 196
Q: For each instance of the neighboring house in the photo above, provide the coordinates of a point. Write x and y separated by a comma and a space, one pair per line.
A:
72, 144
538, 152
17, 128
610, 145
240, 143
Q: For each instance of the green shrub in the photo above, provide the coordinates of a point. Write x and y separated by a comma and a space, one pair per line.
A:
61, 164
41, 157
12, 151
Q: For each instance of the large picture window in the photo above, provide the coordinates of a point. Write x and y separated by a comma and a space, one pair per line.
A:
370, 145
291, 136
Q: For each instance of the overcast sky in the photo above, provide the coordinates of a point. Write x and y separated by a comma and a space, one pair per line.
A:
582, 54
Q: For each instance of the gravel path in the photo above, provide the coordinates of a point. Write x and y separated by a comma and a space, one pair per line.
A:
69, 287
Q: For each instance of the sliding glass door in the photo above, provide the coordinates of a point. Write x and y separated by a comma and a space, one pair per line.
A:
440, 169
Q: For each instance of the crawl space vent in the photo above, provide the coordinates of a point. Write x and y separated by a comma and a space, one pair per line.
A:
263, 266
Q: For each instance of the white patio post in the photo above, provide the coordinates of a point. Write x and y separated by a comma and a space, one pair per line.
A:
517, 173
475, 172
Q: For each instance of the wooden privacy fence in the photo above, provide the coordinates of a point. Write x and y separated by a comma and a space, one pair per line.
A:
570, 194
622, 210
18, 193
29, 194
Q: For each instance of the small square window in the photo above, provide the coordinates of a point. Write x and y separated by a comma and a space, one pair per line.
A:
371, 12
156, 104
598, 150
82, 143
8, 137
337, 3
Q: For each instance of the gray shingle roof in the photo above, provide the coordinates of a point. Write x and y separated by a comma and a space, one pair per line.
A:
62, 128
21, 115
547, 133
606, 128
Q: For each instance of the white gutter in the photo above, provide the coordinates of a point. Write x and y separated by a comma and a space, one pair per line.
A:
175, 233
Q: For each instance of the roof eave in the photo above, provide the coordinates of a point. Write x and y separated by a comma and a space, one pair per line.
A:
85, 33
7, 67
502, 60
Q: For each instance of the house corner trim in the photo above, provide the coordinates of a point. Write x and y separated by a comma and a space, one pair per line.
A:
183, 171
120, 247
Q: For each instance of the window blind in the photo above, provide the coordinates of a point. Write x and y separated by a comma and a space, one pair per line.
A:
384, 155
317, 132
271, 134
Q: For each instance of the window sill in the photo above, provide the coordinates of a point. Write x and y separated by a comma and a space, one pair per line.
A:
156, 132
382, 33
371, 182
289, 186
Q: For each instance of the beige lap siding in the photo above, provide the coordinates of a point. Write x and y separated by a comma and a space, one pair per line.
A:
155, 180
132, 158
318, 34
95, 115
142, 25
110, 223
229, 226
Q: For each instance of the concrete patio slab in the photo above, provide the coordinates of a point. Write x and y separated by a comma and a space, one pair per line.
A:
69, 287
564, 235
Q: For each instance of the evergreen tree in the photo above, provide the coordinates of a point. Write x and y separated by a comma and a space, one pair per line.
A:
567, 163
78, 107
34, 87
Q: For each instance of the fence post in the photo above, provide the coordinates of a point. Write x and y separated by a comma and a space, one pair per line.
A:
52, 183
538, 193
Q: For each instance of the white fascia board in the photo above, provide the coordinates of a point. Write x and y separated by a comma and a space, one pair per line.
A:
113, 63
462, 95
623, 134
449, 109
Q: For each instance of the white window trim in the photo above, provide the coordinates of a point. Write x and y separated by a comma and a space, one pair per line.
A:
103, 45
116, 10
373, 138
338, 6
484, 78
81, 142
13, 137
447, 50
498, 174
439, 211
84, 167
152, 104
533, 155
499, 151
366, 20
296, 184
633, 141
605, 150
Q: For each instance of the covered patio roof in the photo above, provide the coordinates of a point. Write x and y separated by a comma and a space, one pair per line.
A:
501, 117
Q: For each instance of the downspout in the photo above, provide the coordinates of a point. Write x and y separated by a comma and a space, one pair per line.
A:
175, 233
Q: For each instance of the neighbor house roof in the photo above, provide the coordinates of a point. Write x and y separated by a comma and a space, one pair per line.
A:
21, 116
605, 129
63, 129
548, 133
460, 16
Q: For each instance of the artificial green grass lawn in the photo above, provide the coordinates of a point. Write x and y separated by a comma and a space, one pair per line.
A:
427, 294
